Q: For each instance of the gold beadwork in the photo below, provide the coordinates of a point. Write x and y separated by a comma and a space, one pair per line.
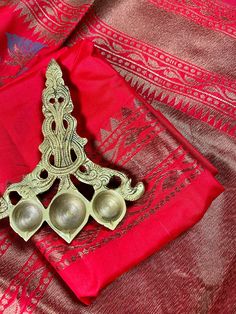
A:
63, 155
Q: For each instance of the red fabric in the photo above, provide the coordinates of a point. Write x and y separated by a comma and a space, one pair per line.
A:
180, 57
179, 181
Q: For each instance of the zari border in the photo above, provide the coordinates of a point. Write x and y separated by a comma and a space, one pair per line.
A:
5, 240
51, 21
160, 77
210, 14
27, 287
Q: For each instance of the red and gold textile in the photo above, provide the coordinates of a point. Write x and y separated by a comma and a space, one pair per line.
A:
177, 57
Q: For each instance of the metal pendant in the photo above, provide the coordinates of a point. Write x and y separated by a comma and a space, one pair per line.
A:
63, 156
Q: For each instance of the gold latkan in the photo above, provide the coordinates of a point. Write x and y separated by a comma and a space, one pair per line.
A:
63, 155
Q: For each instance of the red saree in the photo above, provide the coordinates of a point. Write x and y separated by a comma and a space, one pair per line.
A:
131, 134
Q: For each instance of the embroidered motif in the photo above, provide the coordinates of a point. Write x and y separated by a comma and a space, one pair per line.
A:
20, 51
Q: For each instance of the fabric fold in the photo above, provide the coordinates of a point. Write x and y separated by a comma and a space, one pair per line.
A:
123, 132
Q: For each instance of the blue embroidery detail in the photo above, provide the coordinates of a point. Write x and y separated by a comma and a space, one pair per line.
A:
20, 51
24, 45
